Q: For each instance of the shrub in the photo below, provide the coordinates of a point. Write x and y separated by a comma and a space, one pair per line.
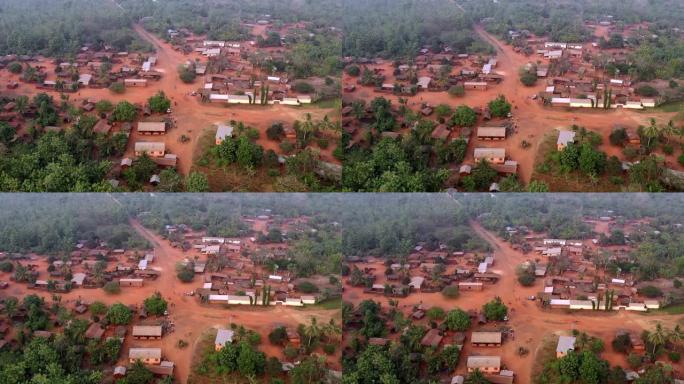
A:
15, 67
112, 287
186, 74
646, 90
677, 283
435, 313
668, 149
526, 279
457, 91
6, 266
185, 273
290, 351
352, 70
275, 131
287, 147
329, 349
674, 356
650, 291
680, 159
117, 88
618, 136
450, 291
278, 336
528, 78
307, 287
303, 87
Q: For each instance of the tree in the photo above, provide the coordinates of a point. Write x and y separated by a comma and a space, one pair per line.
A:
276, 131
15, 67
187, 74
155, 304
159, 103
170, 181
618, 136
249, 361
311, 370
657, 337
495, 310
119, 314
278, 336
138, 374
124, 111
104, 106
197, 182
185, 272
464, 116
98, 308
499, 107
528, 78
457, 320
537, 186
353, 70
435, 313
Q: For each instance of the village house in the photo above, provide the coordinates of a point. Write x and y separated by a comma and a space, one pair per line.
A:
432, 338
152, 127
485, 364
565, 345
476, 85
223, 336
147, 332
486, 339
470, 286
491, 133
135, 82
130, 282
565, 138
222, 132
150, 356
155, 149
492, 155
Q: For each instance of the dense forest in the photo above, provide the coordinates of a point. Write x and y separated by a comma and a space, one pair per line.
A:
52, 224
399, 29
61, 28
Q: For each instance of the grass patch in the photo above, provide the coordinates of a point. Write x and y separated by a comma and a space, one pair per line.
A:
546, 169
543, 355
231, 178
335, 103
672, 106
676, 309
329, 304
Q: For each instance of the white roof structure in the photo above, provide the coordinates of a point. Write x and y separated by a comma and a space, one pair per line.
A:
416, 282
565, 344
565, 138
144, 353
483, 361
224, 131
224, 336
142, 265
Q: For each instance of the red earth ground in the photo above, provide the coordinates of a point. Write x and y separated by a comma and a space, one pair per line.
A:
531, 323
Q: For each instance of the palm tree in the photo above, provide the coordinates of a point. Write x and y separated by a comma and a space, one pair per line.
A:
313, 331
476, 378
668, 130
652, 131
658, 337
331, 330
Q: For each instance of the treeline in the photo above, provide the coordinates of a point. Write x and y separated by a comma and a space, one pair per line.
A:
61, 28
224, 22
560, 20
392, 225
52, 224
399, 29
